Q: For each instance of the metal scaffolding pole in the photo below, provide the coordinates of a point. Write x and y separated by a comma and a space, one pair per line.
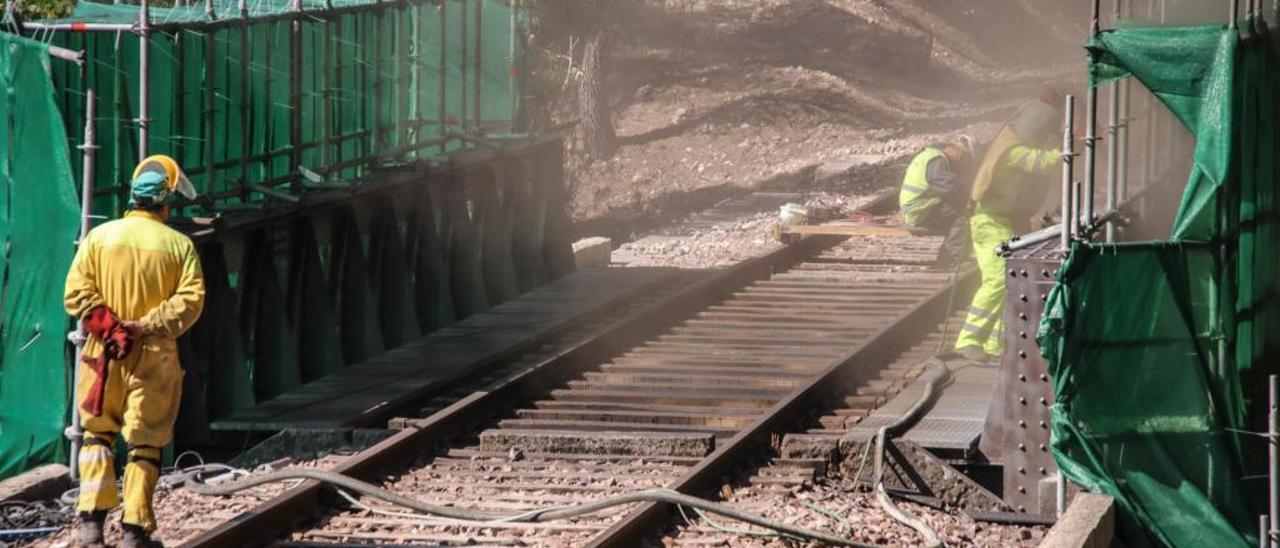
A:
178, 149
1091, 132
246, 45
74, 432
377, 140
326, 83
1068, 159
1273, 461
82, 27
344, 96
211, 107
1113, 146
1122, 133
512, 71
402, 80
144, 73
295, 96
444, 76
462, 67
479, 87
65, 54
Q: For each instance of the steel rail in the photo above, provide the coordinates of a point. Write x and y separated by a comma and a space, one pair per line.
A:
277, 515
830, 384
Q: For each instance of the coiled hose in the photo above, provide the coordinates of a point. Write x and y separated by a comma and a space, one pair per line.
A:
549, 514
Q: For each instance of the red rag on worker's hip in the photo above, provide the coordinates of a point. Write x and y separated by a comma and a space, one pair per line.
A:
101, 322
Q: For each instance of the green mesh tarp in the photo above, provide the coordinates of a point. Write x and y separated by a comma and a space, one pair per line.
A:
242, 105
370, 85
1159, 351
39, 218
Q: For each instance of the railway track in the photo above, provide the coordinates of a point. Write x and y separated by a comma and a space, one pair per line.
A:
694, 387
791, 489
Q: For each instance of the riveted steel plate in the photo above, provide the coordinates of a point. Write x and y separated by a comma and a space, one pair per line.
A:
1017, 428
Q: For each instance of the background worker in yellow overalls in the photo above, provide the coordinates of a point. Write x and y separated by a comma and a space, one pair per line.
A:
1011, 184
136, 284
935, 195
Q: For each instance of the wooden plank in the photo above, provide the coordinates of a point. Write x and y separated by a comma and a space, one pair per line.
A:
364, 393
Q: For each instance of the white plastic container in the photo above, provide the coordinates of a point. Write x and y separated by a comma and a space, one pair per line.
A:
792, 214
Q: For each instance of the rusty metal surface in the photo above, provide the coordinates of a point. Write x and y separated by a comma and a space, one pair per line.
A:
780, 489
1017, 427
850, 369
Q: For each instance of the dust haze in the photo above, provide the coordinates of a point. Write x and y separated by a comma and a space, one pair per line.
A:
708, 98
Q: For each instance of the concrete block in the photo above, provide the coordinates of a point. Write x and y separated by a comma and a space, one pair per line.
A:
41, 483
1090, 522
592, 252
1048, 495
809, 446
637, 444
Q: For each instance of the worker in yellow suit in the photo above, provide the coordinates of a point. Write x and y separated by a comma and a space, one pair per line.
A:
1012, 182
136, 285
935, 195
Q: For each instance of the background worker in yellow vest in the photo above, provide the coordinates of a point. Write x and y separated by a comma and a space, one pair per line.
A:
136, 284
935, 195
1013, 180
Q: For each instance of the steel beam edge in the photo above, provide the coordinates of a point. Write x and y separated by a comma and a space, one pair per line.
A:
637, 528
279, 514
379, 181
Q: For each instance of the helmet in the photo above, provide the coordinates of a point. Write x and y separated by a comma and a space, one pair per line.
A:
967, 144
146, 187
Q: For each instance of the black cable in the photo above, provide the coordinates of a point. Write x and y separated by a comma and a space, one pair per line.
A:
550, 514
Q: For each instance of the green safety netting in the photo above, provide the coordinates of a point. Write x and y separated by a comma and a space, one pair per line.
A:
1159, 351
241, 105
370, 82
39, 216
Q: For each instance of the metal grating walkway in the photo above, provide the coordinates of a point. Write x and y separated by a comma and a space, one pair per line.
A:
954, 424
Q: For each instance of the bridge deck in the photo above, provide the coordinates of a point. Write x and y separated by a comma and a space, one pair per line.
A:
363, 393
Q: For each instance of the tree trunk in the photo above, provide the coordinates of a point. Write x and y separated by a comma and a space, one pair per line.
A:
599, 140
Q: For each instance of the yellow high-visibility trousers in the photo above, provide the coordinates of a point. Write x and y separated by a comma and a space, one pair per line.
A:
97, 474
141, 403
984, 325
140, 477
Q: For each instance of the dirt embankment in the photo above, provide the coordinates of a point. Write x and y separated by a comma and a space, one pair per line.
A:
715, 97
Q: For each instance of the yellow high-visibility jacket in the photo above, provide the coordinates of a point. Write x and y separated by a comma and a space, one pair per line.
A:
146, 272
918, 199
1019, 184
143, 270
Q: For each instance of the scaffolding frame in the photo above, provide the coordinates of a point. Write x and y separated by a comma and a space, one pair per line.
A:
1123, 195
390, 72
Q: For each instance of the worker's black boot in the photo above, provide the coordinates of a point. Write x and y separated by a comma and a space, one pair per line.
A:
136, 537
89, 532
